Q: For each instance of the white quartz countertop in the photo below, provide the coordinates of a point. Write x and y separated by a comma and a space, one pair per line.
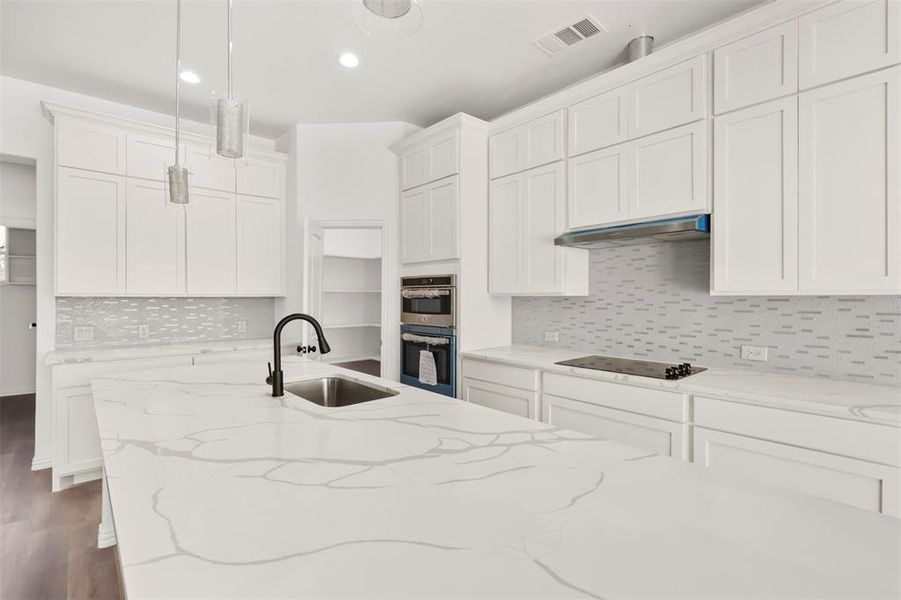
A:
219, 490
104, 354
850, 400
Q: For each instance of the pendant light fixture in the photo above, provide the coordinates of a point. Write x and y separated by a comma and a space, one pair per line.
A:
229, 115
177, 175
388, 19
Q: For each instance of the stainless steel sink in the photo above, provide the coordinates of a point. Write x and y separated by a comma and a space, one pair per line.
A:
338, 391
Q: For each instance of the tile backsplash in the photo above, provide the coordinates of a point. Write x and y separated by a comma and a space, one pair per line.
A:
652, 301
119, 321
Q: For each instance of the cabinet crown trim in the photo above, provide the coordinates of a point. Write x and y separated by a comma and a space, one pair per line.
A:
52, 111
460, 121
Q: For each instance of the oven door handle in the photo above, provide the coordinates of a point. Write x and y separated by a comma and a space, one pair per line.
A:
424, 293
421, 339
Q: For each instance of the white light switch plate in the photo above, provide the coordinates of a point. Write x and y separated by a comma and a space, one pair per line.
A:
756, 353
241, 326
83, 334
143, 331
551, 336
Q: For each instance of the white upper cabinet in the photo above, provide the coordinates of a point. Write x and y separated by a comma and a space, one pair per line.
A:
526, 212
259, 177
429, 222
598, 122
850, 186
434, 159
538, 142
149, 157
669, 173
91, 146
210, 172
848, 38
757, 68
668, 98
755, 213
211, 247
259, 246
90, 233
598, 187
155, 240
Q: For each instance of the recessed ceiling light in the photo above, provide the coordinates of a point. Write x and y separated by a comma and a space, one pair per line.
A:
349, 60
189, 76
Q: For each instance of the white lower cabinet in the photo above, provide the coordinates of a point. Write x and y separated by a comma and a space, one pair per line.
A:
211, 246
76, 441
259, 246
859, 483
526, 212
501, 397
648, 433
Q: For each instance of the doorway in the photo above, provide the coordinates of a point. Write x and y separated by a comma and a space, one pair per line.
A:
347, 282
18, 265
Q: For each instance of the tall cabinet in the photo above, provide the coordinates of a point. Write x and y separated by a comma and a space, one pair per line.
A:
117, 234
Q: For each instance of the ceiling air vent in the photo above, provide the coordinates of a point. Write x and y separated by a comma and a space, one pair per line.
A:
569, 35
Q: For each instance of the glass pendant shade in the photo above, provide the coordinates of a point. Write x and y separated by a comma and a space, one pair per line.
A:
178, 184
229, 127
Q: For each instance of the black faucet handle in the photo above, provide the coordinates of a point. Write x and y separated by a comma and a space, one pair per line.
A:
269, 379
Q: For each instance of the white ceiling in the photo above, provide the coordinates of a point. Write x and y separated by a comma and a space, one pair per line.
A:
473, 56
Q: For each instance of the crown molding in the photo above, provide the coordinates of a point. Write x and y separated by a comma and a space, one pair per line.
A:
458, 122
53, 111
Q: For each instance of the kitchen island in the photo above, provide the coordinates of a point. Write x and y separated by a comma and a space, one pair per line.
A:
219, 490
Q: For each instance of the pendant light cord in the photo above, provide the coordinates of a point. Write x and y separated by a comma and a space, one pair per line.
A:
177, 73
230, 89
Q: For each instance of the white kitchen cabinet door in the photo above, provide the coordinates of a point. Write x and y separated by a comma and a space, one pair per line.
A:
669, 173
598, 122
209, 172
211, 248
757, 68
848, 38
647, 433
523, 403
149, 157
598, 187
866, 485
668, 98
415, 225
543, 139
755, 213
442, 223
76, 448
260, 177
850, 186
505, 153
432, 160
90, 233
504, 234
543, 218
260, 251
155, 240
91, 146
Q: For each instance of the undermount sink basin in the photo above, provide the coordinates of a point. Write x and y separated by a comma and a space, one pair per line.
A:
338, 391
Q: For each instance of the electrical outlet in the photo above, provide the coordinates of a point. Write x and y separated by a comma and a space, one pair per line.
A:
241, 326
83, 334
551, 336
143, 331
756, 353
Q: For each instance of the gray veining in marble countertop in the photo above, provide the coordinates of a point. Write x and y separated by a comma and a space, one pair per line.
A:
100, 354
220, 490
879, 404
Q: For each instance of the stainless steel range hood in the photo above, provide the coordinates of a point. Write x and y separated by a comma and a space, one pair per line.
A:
668, 230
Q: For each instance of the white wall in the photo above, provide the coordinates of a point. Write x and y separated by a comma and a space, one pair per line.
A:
346, 172
26, 133
17, 194
17, 341
353, 243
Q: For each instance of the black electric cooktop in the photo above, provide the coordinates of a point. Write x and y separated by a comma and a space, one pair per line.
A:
629, 366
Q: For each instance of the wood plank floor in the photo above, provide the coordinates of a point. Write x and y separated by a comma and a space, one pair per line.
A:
48, 542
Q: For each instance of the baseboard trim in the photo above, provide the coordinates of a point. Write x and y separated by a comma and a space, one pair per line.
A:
40, 463
15, 392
